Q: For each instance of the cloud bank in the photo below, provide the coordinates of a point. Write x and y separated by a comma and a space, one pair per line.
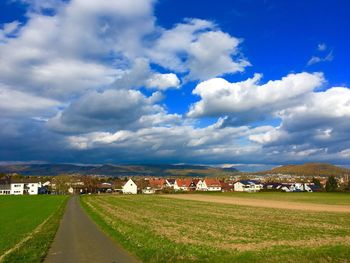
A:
89, 81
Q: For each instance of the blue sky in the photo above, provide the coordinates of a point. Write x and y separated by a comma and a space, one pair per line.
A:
245, 82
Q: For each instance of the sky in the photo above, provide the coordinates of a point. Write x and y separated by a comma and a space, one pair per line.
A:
250, 83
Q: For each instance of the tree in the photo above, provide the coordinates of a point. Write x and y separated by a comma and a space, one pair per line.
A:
317, 182
331, 184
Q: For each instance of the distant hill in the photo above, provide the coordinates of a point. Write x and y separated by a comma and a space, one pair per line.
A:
309, 169
116, 170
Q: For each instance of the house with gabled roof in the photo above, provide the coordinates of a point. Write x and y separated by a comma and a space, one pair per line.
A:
213, 184
171, 183
157, 183
129, 187
125, 187
247, 186
183, 184
209, 184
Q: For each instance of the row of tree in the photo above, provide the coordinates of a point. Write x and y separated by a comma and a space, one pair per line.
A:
331, 185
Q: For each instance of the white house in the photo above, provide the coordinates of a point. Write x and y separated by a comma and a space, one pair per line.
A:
17, 188
148, 190
297, 187
129, 187
209, 184
182, 184
247, 186
201, 186
213, 184
33, 188
171, 183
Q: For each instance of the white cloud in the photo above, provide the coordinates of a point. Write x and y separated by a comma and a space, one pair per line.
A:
345, 153
267, 137
211, 56
318, 59
321, 47
220, 97
9, 30
20, 103
198, 48
80, 68
163, 81
72, 45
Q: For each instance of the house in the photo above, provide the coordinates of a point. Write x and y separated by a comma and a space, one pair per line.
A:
226, 186
171, 183
19, 186
273, 186
209, 184
247, 186
183, 184
193, 185
213, 184
148, 190
5, 187
157, 184
104, 188
299, 187
129, 187
201, 186
33, 187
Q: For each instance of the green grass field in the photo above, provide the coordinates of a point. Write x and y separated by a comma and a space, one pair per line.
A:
158, 229
302, 197
19, 218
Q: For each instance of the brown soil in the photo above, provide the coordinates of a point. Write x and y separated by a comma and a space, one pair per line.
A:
262, 203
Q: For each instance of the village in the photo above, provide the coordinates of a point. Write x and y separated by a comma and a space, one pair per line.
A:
93, 184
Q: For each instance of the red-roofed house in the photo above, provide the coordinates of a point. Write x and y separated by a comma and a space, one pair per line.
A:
209, 184
157, 184
183, 184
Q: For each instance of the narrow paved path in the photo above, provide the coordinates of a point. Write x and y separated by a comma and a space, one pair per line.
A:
78, 239
262, 203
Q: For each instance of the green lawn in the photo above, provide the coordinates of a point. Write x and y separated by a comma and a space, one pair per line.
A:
158, 229
20, 216
302, 197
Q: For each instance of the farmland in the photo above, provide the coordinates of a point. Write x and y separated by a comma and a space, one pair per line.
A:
28, 225
158, 229
303, 197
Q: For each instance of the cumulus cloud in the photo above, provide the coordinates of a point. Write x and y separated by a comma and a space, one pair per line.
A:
163, 81
76, 83
205, 144
198, 48
109, 110
140, 74
48, 54
220, 97
20, 103
317, 127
